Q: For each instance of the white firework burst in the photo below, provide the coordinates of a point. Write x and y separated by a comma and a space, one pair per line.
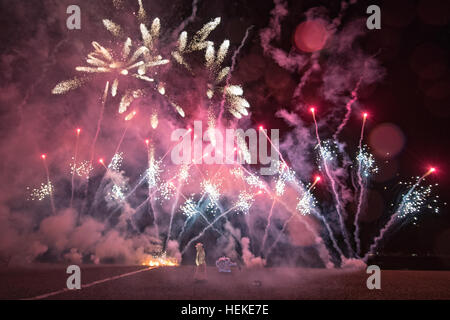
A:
45, 190
116, 162
83, 169
189, 207
244, 202
306, 203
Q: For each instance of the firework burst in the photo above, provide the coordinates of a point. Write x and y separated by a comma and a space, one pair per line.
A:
189, 207
82, 169
44, 191
285, 175
306, 203
366, 163
245, 202
212, 190
166, 191
116, 162
144, 60
416, 201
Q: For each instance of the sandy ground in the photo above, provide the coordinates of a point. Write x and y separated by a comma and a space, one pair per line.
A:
256, 284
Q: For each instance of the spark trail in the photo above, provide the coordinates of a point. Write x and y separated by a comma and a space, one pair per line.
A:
52, 201
94, 142
397, 214
210, 225
361, 189
75, 164
333, 186
271, 143
122, 137
172, 212
188, 20
348, 108
99, 122
269, 219
193, 211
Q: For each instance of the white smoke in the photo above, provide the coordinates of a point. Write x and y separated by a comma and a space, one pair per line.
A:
249, 258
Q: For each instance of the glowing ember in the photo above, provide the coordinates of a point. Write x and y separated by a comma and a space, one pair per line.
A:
161, 261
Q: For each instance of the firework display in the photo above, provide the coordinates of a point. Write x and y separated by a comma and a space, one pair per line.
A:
161, 79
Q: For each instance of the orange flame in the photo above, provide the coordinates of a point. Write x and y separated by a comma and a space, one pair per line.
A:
161, 262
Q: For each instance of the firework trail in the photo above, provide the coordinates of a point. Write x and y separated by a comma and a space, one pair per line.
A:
112, 183
287, 221
398, 214
75, 164
348, 108
314, 60
122, 137
331, 235
309, 207
273, 32
361, 189
233, 64
210, 225
324, 252
303, 210
313, 112
338, 207
269, 219
172, 212
308, 227
286, 175
113, 173
333, 185
269, 251
151, 174
261, 129
188, 20
306, 75
49, 184
99, 122
316, 181
152, 177
354, 98
365, 115
191, 210
94, 142
212, 192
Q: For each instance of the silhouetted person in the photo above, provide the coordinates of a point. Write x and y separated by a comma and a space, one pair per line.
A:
200, 271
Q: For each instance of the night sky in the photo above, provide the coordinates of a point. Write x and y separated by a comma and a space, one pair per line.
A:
413, 93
